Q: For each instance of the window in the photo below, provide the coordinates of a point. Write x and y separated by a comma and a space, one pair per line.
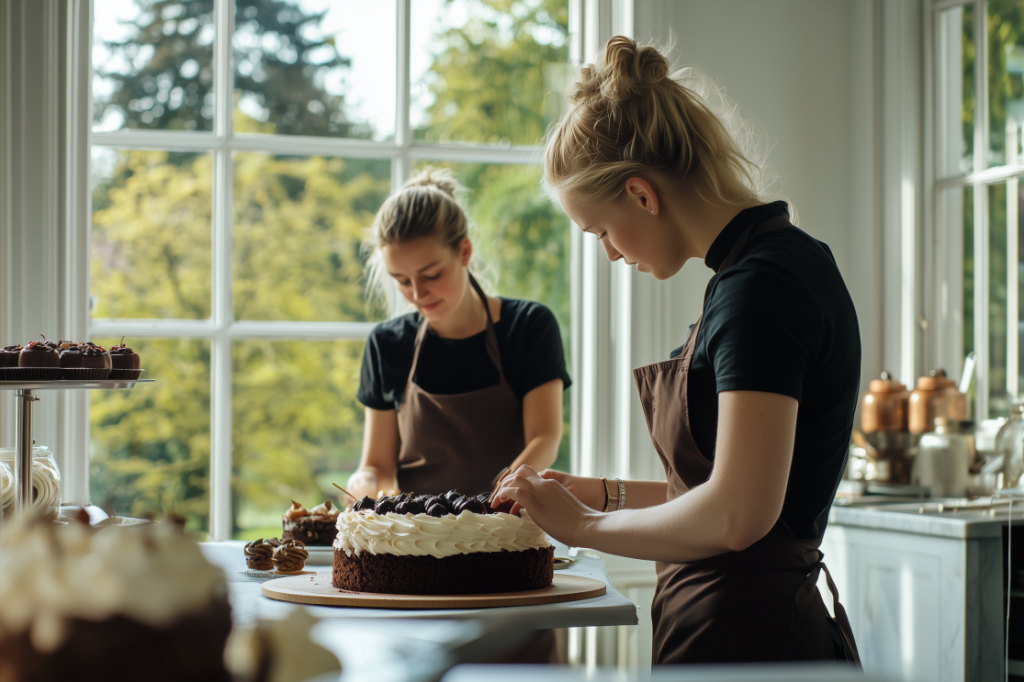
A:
239, 150
979, 93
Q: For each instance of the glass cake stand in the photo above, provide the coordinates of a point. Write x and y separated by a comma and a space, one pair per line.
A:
26, 392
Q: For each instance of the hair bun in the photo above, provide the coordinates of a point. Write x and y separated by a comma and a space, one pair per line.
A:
627, 71
441, 178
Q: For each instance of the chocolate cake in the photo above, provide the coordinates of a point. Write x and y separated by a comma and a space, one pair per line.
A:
448, 544
84, 362
125, 363
8, 358
136, 603
37, 361
316, 527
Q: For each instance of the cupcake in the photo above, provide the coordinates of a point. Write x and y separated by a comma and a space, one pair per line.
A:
84, 363
36, 362
126, 363
8, 359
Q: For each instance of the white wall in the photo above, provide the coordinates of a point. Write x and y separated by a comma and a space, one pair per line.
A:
805, 70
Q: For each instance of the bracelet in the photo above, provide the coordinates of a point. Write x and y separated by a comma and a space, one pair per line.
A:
611, 502
622, 493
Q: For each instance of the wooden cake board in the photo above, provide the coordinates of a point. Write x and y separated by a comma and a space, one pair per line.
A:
317, 590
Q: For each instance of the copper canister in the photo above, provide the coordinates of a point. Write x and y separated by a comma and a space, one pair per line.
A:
935, 396
884, 406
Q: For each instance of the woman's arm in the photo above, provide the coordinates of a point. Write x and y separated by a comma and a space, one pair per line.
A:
542, 426
592, 492
378, 467
735, 508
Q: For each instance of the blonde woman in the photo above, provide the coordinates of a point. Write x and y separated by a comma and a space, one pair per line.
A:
752, 416
467, 384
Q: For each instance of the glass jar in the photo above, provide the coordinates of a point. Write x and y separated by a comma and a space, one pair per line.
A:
1010, 444
45, 481
6, 491
944, 458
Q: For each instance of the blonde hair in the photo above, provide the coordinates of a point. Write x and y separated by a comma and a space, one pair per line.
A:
425, 206
630, 114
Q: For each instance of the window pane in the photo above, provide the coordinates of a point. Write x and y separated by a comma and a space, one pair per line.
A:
315, 67
153, 63
488, 72
297, 427
151, 234
1006, 80
525, 242
299, 223
998, 398
150, 446
955, 90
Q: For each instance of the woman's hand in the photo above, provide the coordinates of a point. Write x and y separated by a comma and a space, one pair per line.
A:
589, 491
549, 503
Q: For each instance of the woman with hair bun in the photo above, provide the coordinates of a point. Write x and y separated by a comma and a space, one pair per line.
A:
467, 384
752, 416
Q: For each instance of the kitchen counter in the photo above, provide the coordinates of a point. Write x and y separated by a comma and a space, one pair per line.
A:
924, 586
953, 518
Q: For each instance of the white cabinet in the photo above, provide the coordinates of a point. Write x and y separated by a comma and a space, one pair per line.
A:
922, 607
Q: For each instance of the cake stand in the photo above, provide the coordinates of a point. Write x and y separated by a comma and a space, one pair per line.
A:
26, 392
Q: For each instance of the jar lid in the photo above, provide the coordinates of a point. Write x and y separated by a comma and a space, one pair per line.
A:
886, 384
936, 379
8, 454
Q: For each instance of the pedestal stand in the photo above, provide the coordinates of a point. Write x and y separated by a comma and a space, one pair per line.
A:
23, 447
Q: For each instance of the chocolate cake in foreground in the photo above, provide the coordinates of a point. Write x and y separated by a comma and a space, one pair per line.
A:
459, 546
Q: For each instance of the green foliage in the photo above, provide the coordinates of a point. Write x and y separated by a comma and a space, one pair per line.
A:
280, 59
297, 227
499, 77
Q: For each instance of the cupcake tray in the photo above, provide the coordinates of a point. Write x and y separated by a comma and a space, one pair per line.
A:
26, 396
318, 591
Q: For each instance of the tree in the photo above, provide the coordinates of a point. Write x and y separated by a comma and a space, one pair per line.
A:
297, 227
280, 61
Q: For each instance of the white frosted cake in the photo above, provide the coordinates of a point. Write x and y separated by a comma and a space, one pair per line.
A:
388, 547
121, 603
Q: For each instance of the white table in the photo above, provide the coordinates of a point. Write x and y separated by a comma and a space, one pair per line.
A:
365, 638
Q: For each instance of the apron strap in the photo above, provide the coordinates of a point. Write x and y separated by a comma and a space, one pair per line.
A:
806, 593
491, 341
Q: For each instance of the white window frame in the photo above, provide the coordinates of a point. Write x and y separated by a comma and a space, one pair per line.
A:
944, 95
592, 17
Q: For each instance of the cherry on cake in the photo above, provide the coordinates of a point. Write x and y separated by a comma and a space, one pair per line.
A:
438, 545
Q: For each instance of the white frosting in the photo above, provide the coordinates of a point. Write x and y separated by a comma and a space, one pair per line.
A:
49, 574
6, 490
323, 510
292, 655
422, 535
45, 481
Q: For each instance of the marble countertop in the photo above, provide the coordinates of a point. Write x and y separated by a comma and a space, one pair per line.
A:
756, 672
952, 518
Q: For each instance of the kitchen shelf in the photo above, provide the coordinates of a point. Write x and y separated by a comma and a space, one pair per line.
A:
23, 449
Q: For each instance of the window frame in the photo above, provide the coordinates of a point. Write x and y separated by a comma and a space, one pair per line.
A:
222, 142
947, 339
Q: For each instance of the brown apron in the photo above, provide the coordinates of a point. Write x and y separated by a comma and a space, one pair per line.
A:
761, 604
459, 441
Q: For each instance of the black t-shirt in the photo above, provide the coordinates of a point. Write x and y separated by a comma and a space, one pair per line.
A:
781, 321
528, 340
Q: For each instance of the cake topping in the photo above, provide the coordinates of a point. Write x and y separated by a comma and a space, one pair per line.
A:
325, 509
259, 555
409, 507
448, 535
297, 511
49, 574
367, 503
291, 556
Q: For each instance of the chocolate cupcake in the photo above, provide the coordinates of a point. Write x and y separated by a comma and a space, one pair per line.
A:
36, 362
79, 362
8, 359
126, 363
